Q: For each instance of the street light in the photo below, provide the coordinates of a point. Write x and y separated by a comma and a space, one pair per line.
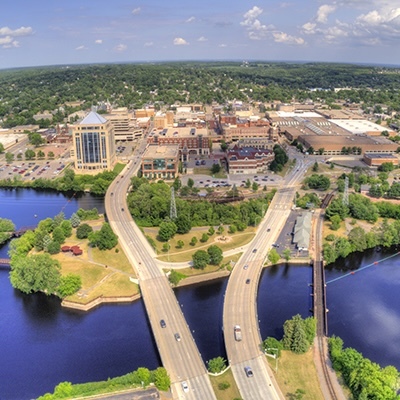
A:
275, 356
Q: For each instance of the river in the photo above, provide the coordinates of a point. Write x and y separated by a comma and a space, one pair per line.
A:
44, 344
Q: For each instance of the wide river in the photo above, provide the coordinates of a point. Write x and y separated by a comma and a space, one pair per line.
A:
43, 344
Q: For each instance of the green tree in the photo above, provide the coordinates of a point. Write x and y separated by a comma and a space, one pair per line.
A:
161, 379
211, 231
193, 241
224, 146
53, 247
143, 375
1, 148
180, 244
315, 167
175, 277
35, 273
271, 343
29, 154
167, 230
58, 235
247, 184
36, 139
335, 222
183, 224
66, 228
190, 183
50, 155
215, 168
39, 154
75, 220
273, 256
104, 239
204, 238
9, 157
69, 284
200, 259
220, 230
254, 186
166, 247
216, 365
216, 254
286, 254
83, 231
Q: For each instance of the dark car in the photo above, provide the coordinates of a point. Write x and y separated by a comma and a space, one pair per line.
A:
249, 372
247, 281
177, 337
163, 324
254, 250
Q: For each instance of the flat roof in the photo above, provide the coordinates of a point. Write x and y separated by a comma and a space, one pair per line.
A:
179, 132
357, 126
165, 151
380, 155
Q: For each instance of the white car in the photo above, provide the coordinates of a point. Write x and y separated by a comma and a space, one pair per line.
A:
185, 387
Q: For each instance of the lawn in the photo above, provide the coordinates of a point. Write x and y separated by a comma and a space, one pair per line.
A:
297, 371
97, 279
232, 392
232, 241
207, 171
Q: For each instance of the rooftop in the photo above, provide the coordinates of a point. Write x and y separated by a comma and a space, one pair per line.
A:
93, 119
155, 151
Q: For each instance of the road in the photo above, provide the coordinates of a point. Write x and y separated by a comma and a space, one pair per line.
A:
181, 358
240, 297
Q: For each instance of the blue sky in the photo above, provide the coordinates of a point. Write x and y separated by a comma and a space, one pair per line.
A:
48, 32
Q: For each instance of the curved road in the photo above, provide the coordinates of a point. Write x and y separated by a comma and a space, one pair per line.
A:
180, 357
240, 298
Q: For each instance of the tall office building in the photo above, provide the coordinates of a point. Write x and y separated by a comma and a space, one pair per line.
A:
93, 144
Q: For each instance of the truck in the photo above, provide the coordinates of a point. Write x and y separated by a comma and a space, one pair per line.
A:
238, 333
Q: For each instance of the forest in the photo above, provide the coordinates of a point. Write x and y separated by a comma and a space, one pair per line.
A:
25, 92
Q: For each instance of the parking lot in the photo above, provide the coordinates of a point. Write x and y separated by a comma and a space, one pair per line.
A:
31, 170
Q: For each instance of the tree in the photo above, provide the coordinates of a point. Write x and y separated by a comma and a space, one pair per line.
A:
9, 157
69, 285
200, 259
273, 256
286, 254
53, 247
220, 230
315, 167
183, 224
58, 235
224, 146
175, 277
39, 154
190, 183
36, 273
335, 222
143, 375
166, 247
216, 254
247, 184
36, 139
50, 154
216, 365
255, 186
193, 241
271, 343
29, 154
167, 230
180, 244
204, 238
177, 184
295, 337
215, 168
211, 231
75, 220
66, 228
161, 379
83, 231
1, 148
104, 239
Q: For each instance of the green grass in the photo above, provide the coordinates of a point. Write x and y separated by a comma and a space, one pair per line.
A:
228, 394
207, 171
118, 167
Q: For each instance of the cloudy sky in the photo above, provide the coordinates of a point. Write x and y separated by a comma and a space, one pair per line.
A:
48, 32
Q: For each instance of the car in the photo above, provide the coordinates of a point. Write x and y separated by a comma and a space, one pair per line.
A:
197, 162
247, 281
203, 162
185, 387
163, 324
112, 193
254, 250
246, 266
249, 372
122, 209
177, 337
269, 229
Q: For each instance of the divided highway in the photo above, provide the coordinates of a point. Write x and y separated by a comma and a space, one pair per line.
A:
240, 304
179, 354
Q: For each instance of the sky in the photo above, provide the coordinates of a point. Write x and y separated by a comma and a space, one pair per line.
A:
54, 32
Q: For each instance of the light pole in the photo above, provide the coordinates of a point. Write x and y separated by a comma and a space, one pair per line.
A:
275, 356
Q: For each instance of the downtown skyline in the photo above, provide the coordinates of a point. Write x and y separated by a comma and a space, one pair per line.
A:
53, 32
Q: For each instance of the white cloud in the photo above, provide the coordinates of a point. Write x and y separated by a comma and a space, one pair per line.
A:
323, 12
202, 39
256, 30
180, 42
136, 11
191, 19
282, 37
82, 47
99, 41
23, 31
6, 40
309, 28
149, 44
222, 45
120, 47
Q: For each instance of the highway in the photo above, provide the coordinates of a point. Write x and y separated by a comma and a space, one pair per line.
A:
180, 357
240, 304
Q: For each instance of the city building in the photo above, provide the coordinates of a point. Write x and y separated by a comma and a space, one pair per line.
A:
93, 144
160, 162
190, 140
125, 128
374, 160
248, 160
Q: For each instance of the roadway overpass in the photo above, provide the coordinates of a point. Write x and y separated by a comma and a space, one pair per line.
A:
240, 304
181, 358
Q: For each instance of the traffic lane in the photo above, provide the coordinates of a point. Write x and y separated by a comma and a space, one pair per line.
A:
147, 394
